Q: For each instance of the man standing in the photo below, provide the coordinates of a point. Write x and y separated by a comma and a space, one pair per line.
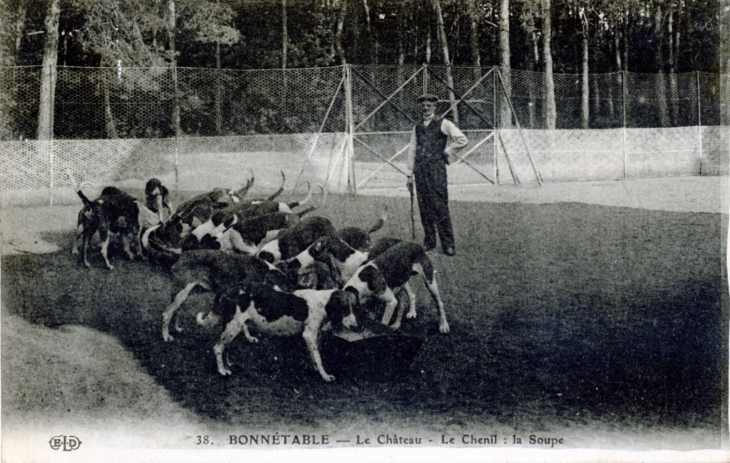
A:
432, 142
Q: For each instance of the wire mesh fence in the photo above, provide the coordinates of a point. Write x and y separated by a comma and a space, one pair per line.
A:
349, 127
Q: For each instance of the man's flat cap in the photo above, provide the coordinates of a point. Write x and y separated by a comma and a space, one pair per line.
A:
428, 97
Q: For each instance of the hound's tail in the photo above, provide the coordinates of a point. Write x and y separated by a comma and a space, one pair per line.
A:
380, 222
244, 190
304, 201
77, 188
281, 188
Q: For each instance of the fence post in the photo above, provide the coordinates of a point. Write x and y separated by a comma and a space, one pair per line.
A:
349, 120
623, 98
699, 119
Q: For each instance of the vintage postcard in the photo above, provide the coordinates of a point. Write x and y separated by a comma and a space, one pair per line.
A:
335, 230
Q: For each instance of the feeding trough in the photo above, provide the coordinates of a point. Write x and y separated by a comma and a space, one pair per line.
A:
374, 353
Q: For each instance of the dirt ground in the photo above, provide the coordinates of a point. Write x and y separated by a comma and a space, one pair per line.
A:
593, 311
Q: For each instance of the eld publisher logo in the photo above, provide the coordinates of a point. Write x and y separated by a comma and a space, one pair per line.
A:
67, 443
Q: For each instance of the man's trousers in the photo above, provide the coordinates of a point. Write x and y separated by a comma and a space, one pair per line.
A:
433, 202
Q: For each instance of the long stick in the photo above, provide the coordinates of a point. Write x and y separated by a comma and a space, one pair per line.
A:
413, 216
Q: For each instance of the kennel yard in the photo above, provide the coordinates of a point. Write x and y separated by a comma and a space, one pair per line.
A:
588, 299
593, 310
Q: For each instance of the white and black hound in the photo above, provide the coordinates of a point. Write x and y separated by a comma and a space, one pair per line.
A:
305, 312
114, 211
295, 239
381, 277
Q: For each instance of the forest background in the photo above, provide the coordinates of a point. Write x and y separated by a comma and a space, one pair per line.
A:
582, 37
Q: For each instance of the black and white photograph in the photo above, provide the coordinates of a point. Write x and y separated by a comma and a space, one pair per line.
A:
364, 230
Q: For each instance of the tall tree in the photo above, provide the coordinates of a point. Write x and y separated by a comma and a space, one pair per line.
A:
673, 38
473, 34
210, 23
171, 24
585, 90
338, 34
284, 35
49, 72
443, 42
724, 58
13, 14
505, 65
547, 57
661, 84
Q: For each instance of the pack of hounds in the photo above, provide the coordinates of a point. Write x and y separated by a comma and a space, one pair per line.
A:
273, 265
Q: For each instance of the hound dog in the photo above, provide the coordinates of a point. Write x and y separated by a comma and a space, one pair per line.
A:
114, 211
341, 256
295, 239
216, 272
344, 262
157, 199
225, 218
382, 276
331, 250
305, 312
199, 209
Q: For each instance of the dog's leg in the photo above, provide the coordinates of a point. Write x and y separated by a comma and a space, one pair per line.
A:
170, 311
251, 339
85, 247
401, 308
105, 236
311, 335
391, 302
411, 299
127, 246
434, 290
79, 236
229, 334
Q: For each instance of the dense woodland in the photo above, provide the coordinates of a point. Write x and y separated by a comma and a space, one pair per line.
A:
666, 37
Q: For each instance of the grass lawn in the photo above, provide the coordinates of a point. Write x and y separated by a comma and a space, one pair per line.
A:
562, 315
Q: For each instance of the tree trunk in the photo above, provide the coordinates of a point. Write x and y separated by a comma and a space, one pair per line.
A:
218, 90
550, 110
617, 54
725, 61
403, 17
338, 31
12, 57
627, 31
532, 63
48, 72
673, 38
474, 39
171, 24
661, 84
428, 44
441, 32
375, 49
284, 35
110, 125
505, 65
585, 90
